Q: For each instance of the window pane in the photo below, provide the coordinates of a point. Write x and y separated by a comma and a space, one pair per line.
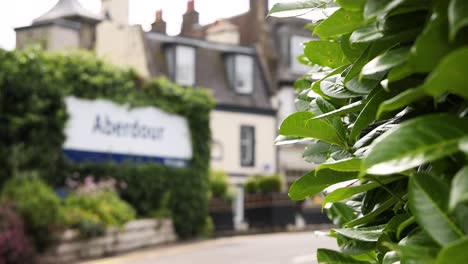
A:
296, 49
185, 66
247, 146
243, 81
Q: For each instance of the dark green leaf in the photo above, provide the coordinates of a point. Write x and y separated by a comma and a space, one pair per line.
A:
458, 16
340, 214
368, 113
375, 8
350, 108
361, 86
428, 200
333, 87
398, 150
301, 124
352, 51
339, 23
463, 146
455, 252
369, 234
334, 257
313, 182
459, 191
391, 257
416, 248
374, 214
355, 247
403, 99
386, 61
325, 53
296, 8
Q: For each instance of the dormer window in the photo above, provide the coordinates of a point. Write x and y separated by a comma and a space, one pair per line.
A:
241, 73
181, 64
296, 50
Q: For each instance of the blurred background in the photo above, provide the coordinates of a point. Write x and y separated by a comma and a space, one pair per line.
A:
128, 124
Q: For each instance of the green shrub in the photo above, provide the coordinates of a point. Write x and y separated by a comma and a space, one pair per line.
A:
390, 114
269, 184
251, 185
219, 185
38, 205
104, 208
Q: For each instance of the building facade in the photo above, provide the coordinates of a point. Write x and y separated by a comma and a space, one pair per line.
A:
248, 62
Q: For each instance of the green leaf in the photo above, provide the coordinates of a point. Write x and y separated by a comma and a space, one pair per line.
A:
458, 16
391, 257
428, 200
301, 124
450, 75
433, 44
368, 113
416, 248
340, 214
399, 149
352, 5
374, 214
463, 146
333, 87
350, 164
455, 252
339, 23
386, 61
325, 53
375, 8
361, 86
296, 7
317, 152
352, 51
459, 190
325, 107
347, 192
369, 234
334, 257
403, 99
347, 109
313, 182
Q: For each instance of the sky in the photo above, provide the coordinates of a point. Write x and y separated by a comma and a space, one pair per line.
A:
18, 13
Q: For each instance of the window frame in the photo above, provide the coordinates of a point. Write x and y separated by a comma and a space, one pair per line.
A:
250, 129
173, 56
232, 64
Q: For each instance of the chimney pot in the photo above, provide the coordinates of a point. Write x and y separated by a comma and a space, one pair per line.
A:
190, 6
159, 15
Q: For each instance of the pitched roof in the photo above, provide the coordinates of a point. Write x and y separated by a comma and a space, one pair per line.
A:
68, 9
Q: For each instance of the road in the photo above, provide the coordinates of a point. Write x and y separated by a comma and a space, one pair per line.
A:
279, 248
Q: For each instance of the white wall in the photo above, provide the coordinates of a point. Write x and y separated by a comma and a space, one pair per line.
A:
225, 128
62, 38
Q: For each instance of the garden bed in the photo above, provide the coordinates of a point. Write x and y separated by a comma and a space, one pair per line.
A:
137, 234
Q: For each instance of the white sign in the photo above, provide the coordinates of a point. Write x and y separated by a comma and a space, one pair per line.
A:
99, 130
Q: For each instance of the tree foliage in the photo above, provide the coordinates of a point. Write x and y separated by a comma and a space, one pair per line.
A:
389, 120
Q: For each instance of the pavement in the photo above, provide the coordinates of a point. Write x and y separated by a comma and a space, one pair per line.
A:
277, 248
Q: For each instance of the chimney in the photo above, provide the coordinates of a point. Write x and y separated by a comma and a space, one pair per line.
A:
159, 24
116, 10
259, 9
223, 32
190, 19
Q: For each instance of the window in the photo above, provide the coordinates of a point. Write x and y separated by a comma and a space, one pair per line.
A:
297, 49
181, 64
241, 73
247, 146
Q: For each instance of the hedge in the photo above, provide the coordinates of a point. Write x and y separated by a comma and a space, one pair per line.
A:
33, 85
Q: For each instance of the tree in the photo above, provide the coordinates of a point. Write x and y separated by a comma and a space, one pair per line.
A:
391, 113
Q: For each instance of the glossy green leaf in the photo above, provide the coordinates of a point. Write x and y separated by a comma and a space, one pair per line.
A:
386, 61
317, 152
391, 257
463, 146
401, 100
340, 214
301, 124
339, 23
361, 250
428, 201
416, 248
459, 190
374, 214
313, 182
455, 252
295, 8
334, 257
333, 87
458, 16
347, 192
325, 53
368, 113
398, 150
325, 107
353, 5
351, 164
361, 86
352, 51
375, 8
369, 234
350, 108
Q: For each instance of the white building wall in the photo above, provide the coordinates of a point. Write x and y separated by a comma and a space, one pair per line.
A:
62, 38
226, 128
